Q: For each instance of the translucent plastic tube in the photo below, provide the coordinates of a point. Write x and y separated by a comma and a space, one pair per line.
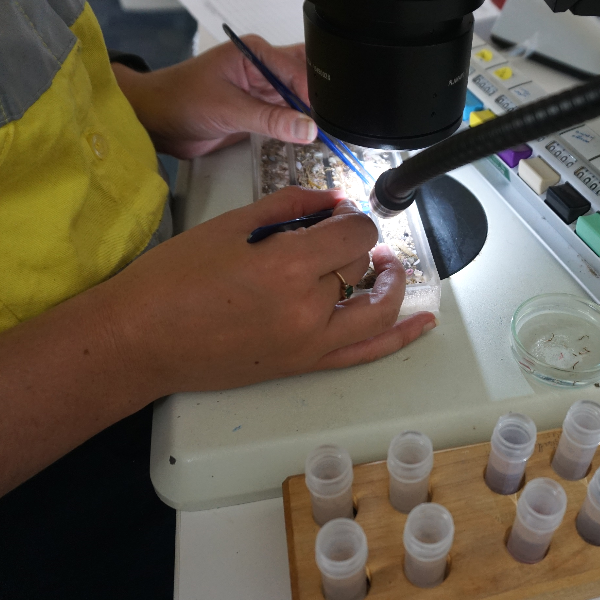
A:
329, 476
540, 510
588, 519
409, 462
512, 443
341, 553
428, 537
578, 441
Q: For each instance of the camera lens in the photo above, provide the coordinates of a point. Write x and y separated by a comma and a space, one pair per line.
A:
388, 73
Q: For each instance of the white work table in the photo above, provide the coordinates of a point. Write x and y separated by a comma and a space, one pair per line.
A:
453, 383
233, 449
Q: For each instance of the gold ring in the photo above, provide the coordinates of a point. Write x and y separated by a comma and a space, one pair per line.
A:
346, 289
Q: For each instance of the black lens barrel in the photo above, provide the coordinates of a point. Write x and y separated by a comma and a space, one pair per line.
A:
413, 11
388, 73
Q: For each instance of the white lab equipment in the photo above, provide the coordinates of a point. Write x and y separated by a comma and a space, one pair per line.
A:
341, 553
588, 519
579, 439
329, 476
409, 462
540, 510
428, 537
512, 443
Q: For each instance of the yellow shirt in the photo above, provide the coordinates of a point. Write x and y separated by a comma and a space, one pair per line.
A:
80, 193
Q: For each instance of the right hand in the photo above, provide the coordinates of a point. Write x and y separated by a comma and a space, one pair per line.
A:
206, 310
216, 98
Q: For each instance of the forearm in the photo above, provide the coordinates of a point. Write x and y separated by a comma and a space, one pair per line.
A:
63, 378
217, 98
153, 97
144, 94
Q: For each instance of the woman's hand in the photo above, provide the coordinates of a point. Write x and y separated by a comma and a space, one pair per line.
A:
218, 97
203, 311
206, 310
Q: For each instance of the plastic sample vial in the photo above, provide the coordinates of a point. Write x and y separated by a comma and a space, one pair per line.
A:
409, 462
428, 536
578, 442
341, 553
540, 510
328, 476
513, 441
588, 519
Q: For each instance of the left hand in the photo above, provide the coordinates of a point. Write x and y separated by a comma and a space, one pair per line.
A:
216, 98
205, 310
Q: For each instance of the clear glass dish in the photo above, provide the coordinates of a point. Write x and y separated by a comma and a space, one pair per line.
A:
277, 165
556, 339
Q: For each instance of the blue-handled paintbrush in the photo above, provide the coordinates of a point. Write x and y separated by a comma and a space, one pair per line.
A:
336, 146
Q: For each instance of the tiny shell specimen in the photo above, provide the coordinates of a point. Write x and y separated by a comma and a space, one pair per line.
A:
275, 172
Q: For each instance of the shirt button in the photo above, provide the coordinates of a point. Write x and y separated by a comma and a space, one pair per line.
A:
99, 145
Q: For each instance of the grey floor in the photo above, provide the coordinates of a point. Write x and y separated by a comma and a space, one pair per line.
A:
161, 38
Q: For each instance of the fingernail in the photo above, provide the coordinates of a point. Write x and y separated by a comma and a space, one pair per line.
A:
429, 326
304, 128
347, 206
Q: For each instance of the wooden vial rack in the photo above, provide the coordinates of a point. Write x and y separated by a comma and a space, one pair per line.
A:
479, 564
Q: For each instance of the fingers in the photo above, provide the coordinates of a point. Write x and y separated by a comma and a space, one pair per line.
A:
314, 250
323, 247
353, 272
289, 203
287, 63
401, 334
309, 252
339, 240
351, 275
371, 314
273, 120
347, 208
390, 272
263, 111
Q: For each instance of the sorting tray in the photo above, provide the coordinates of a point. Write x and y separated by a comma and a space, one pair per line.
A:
278, 164
479, 565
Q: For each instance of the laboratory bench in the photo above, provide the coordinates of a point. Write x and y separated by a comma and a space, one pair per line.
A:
234, 449
220, 458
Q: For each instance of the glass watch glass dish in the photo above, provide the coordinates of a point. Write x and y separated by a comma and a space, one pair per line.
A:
556, 339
